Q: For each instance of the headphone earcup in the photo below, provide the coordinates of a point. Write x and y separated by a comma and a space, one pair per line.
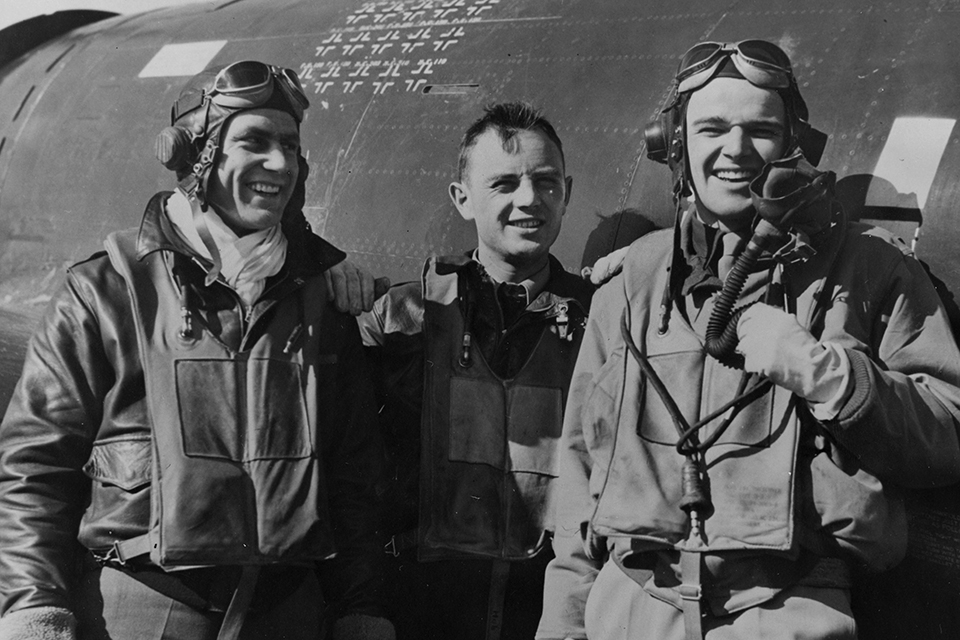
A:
657, 137
174, 148
664, 139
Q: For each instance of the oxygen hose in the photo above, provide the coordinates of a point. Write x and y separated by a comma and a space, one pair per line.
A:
785, 192
721, 338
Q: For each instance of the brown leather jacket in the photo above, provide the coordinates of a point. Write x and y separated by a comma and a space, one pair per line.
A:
73, 461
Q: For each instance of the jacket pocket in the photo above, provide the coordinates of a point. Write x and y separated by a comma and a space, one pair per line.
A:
242, 410
122, 463
477, 424
535, 419
855, 512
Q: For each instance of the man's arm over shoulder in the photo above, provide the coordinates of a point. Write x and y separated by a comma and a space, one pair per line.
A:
353, 453
398, 312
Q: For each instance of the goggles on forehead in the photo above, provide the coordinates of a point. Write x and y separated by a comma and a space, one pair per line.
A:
761, 63
249, 84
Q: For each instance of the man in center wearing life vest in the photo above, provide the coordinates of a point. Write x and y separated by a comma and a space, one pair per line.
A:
723, 472
474, 361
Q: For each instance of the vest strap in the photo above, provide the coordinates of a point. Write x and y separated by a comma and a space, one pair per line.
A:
499, 574
239, 604
691, 594
123, 551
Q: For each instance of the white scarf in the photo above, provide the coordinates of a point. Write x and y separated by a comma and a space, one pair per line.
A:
247, 261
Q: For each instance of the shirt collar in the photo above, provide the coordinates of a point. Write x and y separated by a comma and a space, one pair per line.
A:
533, 285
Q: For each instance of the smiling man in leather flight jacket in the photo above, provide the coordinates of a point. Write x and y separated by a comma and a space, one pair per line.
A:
191, 450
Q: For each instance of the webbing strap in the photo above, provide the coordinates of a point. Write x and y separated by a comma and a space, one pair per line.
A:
123, 551
239, 603
691, 594
499, 573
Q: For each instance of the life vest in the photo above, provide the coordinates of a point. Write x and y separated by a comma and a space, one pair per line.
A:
489, 445
236, 473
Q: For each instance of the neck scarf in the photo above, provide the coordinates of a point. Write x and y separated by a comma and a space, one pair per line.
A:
246, 262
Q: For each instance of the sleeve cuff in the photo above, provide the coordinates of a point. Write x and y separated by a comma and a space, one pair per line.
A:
837, 373
38, 623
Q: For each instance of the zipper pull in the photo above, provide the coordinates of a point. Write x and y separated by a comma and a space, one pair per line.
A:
563, 321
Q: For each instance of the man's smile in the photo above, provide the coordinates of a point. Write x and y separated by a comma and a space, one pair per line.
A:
264, 188
526, 223
735, 175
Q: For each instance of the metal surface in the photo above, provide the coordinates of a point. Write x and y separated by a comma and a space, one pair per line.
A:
393, 85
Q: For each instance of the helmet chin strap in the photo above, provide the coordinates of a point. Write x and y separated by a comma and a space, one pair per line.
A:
200, 224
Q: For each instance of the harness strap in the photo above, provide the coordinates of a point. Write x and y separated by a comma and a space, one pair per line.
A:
691, 594
239, 603
123, 551
499, 573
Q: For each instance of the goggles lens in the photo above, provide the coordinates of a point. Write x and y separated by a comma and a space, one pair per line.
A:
250, 83
762, 63
242, 77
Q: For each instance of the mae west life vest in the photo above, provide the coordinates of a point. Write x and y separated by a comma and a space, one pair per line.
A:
236, 475
489, 444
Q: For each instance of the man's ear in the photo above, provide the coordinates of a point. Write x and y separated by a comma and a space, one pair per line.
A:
460, 198
569, 181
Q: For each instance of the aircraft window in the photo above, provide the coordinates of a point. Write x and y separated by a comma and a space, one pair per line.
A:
184, 59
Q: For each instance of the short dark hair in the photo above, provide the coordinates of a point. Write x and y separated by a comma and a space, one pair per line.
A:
507, 119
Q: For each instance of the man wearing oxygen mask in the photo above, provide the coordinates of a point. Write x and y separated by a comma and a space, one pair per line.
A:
724, 471
192, 449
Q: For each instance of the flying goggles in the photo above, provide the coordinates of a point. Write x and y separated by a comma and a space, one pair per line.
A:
249, 84
762, 63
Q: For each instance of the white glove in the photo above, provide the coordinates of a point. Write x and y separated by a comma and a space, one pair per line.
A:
774, 344
606, 267
38, 623
352, 289
358, 626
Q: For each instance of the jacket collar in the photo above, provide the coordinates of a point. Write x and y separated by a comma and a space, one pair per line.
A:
559, 287
307, 253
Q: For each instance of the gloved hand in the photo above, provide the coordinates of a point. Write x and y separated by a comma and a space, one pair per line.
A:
774, 344
606, 267
352, 289
38, 623
358, 626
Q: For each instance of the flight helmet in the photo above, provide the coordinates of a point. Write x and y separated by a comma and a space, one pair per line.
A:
189, 145
761, 63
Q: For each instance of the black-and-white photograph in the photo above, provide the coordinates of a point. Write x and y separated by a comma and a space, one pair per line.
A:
479, 320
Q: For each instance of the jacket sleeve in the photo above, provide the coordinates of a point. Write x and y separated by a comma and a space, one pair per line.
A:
570, 575
45, 439
352, 580
903, 416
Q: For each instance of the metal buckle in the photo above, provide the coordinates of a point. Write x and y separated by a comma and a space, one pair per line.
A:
691, 592
115, 554
391, 547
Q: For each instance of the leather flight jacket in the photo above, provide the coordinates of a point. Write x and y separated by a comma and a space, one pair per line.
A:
78, 445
